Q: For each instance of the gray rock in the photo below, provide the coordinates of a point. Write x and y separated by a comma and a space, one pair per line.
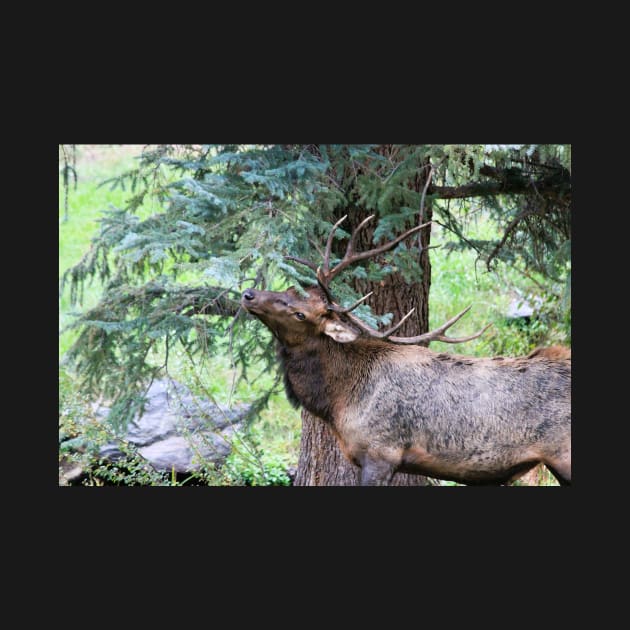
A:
178, 429
69, 472
520, 307
186, 454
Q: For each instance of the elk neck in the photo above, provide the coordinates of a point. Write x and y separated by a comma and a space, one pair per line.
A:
324, 376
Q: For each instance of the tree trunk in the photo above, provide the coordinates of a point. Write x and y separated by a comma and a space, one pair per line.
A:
321, 462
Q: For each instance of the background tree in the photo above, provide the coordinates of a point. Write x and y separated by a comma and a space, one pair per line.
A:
229, 214
387, 181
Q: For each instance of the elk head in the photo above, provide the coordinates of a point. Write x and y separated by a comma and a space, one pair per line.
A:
294, 319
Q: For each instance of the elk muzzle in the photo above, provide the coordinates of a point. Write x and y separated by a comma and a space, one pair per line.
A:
248, 296
269, 302
250, 299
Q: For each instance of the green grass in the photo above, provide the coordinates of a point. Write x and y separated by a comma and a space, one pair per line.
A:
459, 280
85, 205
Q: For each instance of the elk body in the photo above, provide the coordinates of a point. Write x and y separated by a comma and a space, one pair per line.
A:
396, 406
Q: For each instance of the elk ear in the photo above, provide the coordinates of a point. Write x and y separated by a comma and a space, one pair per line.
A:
339, 331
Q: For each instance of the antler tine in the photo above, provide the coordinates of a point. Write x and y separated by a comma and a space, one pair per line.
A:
351, 258
444, 327
368, 329
323, 286
387, 333
325, 266
325, 274
353, 238
340, 309
462, 339
364, 327
436, 335
307, 263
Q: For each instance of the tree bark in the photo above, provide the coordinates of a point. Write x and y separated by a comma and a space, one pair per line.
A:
321, 462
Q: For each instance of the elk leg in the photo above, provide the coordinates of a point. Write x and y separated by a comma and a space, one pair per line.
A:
376, 472
561, 469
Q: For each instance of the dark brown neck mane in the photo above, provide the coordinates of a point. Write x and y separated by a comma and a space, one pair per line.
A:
322, 374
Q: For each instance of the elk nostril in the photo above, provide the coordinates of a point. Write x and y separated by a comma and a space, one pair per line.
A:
249, 294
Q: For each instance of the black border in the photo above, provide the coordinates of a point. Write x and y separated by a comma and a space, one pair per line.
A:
298, 519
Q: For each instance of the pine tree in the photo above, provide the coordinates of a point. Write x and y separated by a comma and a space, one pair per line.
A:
229, 214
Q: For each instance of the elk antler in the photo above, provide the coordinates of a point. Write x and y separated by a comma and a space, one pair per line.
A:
325, 274
433, 335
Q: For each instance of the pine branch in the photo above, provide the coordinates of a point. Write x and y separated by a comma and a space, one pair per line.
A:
510, 182
508, 230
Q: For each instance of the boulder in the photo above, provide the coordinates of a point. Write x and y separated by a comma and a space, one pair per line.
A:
519, 307
179, 429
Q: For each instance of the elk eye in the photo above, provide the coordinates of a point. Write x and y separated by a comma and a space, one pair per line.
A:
300, 315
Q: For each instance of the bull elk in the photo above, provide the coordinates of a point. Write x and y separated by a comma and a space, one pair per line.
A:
397, 406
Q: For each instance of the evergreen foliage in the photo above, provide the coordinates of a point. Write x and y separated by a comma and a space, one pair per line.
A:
228, 214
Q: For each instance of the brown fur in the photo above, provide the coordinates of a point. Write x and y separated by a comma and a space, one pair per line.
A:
556, 353
551, 352
407, 408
